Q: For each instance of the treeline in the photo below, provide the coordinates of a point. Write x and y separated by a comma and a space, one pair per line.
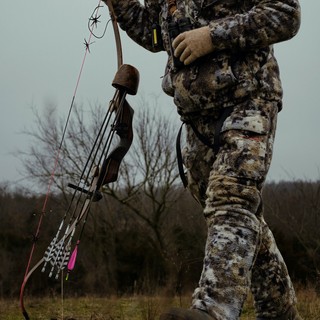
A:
147, 234
146, 251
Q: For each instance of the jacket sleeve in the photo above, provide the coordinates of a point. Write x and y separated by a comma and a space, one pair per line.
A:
137, 20
265, 23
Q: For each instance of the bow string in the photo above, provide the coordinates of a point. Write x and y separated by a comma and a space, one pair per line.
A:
101, 167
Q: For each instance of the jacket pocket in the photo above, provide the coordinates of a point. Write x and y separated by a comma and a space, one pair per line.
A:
247, 141
201, 85
248, 120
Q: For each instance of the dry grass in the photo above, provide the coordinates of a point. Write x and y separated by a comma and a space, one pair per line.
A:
133, 308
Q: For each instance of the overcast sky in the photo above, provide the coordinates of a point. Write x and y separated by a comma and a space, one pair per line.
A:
41, 54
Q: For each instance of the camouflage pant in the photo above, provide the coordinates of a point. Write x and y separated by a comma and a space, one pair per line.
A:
241, 252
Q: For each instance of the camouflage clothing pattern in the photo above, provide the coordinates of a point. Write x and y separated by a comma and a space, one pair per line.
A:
241, 72
242, 31
240, 251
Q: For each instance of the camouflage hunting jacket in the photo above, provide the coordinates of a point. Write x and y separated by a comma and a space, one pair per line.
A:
243, 33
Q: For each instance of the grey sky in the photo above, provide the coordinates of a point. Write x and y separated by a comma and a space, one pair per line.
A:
42, 50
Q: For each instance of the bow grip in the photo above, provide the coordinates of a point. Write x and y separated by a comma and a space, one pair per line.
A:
127, 79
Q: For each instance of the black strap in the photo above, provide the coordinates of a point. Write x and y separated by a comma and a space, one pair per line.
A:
179, 158
225, 114
215, 146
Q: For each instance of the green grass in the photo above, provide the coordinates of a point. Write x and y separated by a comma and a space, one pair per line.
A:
133, 308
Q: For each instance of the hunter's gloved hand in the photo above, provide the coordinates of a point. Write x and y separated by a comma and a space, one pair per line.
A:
191, 45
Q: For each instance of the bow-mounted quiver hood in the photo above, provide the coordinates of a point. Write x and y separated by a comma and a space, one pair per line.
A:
127, 79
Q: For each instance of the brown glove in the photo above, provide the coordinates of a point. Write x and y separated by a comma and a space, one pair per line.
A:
193, 44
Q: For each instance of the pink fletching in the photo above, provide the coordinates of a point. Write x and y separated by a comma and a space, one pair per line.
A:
72, 260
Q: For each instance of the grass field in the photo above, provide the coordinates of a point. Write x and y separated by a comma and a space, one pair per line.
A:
133, 308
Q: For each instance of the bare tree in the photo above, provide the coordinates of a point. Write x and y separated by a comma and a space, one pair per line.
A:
149, 176
49, 152
148, 183
293, 211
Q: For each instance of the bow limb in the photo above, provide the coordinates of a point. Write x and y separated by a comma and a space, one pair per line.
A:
116, 32
25, 280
